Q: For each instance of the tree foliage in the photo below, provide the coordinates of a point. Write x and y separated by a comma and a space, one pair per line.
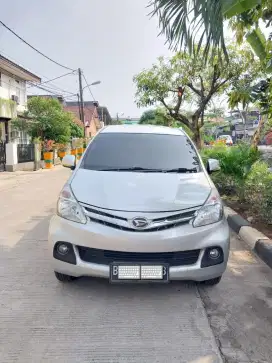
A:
156, 116
75, 130
160, 117
183, 21
46, 119
148, 117
182, 79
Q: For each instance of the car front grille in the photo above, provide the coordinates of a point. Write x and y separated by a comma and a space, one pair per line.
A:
105, 257
120, 220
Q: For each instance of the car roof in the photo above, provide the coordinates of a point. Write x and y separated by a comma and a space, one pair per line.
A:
142, 129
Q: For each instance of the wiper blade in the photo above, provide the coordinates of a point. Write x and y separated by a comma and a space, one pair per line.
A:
147, 170
133, 168
181, 170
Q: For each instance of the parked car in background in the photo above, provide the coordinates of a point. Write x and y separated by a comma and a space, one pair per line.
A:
140, 206
227, 138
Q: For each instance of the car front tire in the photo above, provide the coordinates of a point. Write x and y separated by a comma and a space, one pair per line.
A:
212, 282
64, 278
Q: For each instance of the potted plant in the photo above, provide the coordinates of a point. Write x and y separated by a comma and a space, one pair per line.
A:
48, 153
79, 145
62, 150
73, 150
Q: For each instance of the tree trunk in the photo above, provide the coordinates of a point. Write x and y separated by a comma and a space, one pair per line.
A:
196, 131
257, 134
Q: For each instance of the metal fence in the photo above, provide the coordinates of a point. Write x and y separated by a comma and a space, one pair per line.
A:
25, 153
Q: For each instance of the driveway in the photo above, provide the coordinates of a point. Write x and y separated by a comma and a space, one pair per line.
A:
88, 320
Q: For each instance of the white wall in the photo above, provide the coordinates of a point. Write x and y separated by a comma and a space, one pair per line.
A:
10, 86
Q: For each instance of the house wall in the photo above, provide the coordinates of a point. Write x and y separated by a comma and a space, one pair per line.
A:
91, 118
9, 86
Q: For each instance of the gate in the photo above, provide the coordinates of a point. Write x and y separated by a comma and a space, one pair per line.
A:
25, 153
2, 155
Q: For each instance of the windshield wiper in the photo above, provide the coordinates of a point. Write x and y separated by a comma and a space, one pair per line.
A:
147, 170
180, 170
133, 168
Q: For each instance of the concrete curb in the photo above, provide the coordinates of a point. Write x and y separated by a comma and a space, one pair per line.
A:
256, 240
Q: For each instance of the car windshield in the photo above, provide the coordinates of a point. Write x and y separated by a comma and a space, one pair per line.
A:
141, 152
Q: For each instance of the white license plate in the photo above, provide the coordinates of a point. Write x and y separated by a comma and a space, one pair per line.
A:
138, 272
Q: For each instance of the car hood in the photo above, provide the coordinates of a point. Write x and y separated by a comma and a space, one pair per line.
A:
140, 192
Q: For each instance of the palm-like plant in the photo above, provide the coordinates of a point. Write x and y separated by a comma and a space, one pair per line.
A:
187, 22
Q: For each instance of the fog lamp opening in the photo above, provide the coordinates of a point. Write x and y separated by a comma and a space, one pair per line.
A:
214, 253
63, 249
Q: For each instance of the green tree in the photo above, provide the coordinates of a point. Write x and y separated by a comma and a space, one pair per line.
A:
76, 130
241, 94
148, 117
46, 119
183, 22
156, 116
182, 79
161, 117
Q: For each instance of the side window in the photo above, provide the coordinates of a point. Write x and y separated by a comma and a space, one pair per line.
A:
18, 94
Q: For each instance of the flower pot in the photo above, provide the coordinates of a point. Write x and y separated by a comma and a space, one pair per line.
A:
74, 152
61, 154
48, 159
79, 152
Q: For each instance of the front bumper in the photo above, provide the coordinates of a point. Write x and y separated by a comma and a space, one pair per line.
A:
183, 238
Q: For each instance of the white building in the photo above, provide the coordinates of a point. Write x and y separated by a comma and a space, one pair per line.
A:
13, 100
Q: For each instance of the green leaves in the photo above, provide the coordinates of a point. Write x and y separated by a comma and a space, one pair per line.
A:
258, 43
184, 22
259, 191
235, 163
162, 80
192, 24
48, 120
232, 8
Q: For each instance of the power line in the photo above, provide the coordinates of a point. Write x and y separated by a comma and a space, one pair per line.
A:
88, 86
47, 90
53, 87
74, 95
31, 46
53, 79
14, 87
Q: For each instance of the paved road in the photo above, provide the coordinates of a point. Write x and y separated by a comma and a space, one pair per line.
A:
89, 320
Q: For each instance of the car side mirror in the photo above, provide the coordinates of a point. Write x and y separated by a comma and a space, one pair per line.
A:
69, 161
213, 165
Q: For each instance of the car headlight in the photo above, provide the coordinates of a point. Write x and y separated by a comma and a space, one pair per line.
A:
211, 212
69, 208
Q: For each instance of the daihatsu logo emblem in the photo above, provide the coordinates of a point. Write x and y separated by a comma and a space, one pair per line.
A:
139, 222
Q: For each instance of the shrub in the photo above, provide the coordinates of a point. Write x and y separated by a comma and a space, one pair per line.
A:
215, 152
235, 163
258, 192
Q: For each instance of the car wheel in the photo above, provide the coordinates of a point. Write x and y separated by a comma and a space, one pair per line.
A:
64, 278
212, 282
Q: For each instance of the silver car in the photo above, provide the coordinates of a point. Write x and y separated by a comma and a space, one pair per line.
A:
140, 206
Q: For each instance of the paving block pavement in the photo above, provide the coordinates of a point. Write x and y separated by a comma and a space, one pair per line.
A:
89, 320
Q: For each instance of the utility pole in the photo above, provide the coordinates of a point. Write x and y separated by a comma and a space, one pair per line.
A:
81, 97
79, 108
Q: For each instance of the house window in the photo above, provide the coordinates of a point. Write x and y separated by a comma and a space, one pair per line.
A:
18, 94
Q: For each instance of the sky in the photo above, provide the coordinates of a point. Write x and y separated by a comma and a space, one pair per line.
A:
111, 40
